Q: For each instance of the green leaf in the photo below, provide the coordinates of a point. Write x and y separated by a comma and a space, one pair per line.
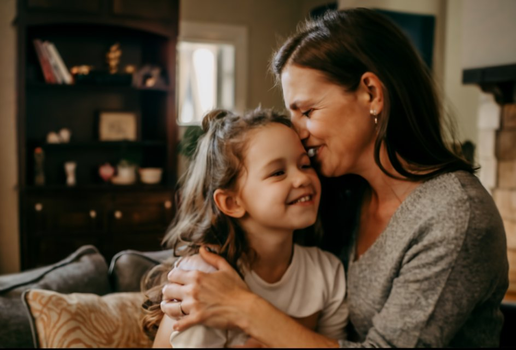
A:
188, 143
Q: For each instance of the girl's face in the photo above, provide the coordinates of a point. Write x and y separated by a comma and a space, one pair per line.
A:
336, 123
278, 188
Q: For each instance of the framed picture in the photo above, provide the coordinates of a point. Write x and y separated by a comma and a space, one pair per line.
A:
118, 126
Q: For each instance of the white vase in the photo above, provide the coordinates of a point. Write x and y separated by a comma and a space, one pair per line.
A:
70, 173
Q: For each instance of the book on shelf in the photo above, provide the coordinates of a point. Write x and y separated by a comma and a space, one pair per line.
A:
61, 67
48, 73
52, 65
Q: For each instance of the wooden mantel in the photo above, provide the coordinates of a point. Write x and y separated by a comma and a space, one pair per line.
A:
497, 80
500, 81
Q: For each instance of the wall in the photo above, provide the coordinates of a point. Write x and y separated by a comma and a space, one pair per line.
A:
462, 100
488, 31
267, 22
9, 242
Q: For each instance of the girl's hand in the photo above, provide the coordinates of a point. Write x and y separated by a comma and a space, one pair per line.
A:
218, 299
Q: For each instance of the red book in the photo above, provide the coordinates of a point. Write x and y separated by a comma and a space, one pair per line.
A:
45, 64
52, 61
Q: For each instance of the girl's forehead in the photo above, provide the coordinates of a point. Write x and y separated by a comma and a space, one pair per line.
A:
271, 139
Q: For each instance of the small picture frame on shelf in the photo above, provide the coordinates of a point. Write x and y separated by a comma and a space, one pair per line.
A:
118, 126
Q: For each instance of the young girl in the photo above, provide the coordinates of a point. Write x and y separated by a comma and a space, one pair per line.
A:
249, 187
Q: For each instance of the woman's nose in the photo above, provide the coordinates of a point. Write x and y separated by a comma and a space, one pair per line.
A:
299, 123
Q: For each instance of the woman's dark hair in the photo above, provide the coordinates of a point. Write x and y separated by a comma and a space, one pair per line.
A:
344, 45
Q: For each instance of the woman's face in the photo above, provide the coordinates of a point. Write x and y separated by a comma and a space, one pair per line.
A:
336, 123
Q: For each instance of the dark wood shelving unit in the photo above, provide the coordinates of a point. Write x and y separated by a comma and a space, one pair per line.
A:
99, 144
56, 219
85, 87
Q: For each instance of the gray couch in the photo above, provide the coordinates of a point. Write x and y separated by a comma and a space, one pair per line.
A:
84, 271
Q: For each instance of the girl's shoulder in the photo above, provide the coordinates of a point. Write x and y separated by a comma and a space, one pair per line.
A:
194, 262
314, 258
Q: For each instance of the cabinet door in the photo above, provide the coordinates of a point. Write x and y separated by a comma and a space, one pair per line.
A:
61, 215
147, 9
77, 6
139, 221
57, 226
141, 212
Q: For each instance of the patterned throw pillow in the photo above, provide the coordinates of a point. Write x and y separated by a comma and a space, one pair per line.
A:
86, 320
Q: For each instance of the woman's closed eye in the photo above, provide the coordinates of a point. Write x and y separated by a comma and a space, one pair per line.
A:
307, 113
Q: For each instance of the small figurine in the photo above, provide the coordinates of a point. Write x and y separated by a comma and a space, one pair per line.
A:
126, 173
130, 69
70, 173
113, 58
81, 70
53, 137
106, 172
39, 173
64, 135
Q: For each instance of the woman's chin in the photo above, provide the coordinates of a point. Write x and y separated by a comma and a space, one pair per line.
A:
325, 170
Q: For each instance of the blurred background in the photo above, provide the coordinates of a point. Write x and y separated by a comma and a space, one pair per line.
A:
138, 77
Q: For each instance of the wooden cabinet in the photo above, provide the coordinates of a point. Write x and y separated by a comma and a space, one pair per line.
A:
56, 218
156, 9
75, 6
57, 224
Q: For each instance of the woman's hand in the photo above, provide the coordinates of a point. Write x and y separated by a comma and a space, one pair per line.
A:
217, 299
251, 343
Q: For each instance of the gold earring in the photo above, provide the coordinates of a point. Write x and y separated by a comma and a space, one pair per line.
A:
373, 112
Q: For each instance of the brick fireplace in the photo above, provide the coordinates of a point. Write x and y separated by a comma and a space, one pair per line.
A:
497, 147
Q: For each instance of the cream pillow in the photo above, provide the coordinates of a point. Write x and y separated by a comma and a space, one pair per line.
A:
86, 320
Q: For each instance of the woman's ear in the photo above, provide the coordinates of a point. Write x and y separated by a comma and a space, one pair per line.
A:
372, 89
228, 203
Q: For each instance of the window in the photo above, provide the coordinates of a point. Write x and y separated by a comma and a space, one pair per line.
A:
211, 70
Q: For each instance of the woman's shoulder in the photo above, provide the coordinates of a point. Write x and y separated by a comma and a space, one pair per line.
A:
459, 190
456, 201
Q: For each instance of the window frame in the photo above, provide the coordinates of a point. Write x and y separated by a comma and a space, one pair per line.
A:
215, 33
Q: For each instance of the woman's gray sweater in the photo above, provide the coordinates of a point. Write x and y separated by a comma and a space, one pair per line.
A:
437, 274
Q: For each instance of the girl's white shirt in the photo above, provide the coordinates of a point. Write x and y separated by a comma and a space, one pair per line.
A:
313, 282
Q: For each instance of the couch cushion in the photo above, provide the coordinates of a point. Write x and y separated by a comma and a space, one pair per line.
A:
129, 266
83, 271
86, 320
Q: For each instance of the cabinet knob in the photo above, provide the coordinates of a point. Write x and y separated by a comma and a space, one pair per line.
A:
38, 207
118, 214
93, 214
167, 204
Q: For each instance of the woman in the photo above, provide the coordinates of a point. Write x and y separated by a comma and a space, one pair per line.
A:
426, 260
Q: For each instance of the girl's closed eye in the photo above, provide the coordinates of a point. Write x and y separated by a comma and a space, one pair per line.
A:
277, 173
